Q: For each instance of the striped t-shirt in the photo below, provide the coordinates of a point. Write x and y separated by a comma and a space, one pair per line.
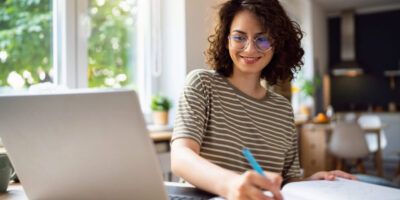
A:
223, 120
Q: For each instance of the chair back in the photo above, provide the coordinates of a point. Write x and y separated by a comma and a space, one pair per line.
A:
347, 141
350, 117
366, 121
372, 121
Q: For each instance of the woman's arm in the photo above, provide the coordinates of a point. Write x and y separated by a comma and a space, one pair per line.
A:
188, 164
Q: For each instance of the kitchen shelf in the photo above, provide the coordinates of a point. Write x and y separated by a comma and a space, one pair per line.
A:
391, 73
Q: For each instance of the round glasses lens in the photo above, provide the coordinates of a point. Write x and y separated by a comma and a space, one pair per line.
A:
238, 41
263, 43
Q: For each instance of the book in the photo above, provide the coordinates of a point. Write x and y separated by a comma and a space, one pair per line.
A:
342, 189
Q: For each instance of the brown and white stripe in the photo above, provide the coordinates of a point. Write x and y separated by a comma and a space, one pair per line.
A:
223, 120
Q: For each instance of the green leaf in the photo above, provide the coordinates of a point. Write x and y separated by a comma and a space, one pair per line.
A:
160, 103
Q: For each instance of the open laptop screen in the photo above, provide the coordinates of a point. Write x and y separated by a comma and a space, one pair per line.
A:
78, 144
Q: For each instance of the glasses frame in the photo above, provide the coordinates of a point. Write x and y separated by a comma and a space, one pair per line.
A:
247, 44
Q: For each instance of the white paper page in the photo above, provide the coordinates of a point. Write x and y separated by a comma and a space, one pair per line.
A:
339, 189
269, 194
342, 189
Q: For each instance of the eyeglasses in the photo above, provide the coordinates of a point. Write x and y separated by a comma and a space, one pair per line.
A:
240, 42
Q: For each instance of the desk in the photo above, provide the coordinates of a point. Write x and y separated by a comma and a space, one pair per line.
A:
314, 155
15, 191
161, 144
156, 136
162, 136
161, 140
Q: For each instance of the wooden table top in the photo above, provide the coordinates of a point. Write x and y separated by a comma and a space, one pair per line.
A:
162, 136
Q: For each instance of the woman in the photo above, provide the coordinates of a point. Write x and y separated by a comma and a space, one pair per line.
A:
225, 109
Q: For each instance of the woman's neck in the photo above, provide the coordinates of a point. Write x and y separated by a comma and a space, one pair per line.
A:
248, 84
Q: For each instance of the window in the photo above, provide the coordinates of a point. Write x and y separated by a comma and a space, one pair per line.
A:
112, 43
79, 44
25, 43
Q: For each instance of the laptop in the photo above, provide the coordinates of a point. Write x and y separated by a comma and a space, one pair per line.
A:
81, 144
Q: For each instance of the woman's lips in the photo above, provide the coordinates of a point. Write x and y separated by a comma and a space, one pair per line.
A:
250, 60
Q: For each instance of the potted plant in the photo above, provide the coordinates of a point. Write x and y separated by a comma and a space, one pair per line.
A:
306, 88
160, 106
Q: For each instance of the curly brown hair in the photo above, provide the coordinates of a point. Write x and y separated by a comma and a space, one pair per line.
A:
285, 33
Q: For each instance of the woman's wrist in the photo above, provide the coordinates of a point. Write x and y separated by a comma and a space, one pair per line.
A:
225, 184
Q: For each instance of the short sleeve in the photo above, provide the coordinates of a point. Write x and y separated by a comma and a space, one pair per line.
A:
191, 114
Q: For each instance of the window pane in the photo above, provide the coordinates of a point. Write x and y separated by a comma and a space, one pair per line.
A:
112, 43
25, 42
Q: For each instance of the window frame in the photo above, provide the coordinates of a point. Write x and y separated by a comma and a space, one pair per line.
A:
71, 25
69, 44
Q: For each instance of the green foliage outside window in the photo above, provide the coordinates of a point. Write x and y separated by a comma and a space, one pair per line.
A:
26, 42
111, 43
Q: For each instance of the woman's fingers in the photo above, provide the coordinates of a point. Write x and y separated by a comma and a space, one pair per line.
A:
331, 175
251, 185
271, 182
343, 174
257, 194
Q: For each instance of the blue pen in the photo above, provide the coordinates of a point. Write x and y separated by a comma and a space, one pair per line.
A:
252, 161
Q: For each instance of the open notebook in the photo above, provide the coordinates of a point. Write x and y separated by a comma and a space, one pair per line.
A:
339, 189
342, 189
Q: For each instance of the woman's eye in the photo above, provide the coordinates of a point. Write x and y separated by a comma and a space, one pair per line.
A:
239, 38
262, 39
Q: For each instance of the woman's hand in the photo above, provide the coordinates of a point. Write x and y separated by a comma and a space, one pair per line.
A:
331, 175
250, 185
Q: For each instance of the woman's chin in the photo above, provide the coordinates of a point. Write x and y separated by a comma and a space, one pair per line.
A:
250, 69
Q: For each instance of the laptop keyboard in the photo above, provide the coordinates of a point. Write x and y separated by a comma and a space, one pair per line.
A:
184, 197
189, 193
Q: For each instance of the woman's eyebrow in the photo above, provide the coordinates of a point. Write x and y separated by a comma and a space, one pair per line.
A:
239, 31
261, 33
242, 32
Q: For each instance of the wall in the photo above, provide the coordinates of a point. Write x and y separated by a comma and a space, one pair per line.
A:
320, 38
301, 12
312, 20
377, 49
200, 21
320, 49
186, 25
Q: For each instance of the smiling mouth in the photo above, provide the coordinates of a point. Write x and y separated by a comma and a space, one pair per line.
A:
250, 60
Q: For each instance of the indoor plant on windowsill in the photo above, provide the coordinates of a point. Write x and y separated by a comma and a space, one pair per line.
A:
160, 106
307, 89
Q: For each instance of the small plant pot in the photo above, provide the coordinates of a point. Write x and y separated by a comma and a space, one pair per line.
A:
160, 117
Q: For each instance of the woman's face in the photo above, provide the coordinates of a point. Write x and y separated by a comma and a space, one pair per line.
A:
249, 46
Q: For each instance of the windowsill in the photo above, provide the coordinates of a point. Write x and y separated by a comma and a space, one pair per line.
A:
159, 128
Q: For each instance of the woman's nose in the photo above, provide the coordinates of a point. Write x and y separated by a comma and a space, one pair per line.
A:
250, 47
